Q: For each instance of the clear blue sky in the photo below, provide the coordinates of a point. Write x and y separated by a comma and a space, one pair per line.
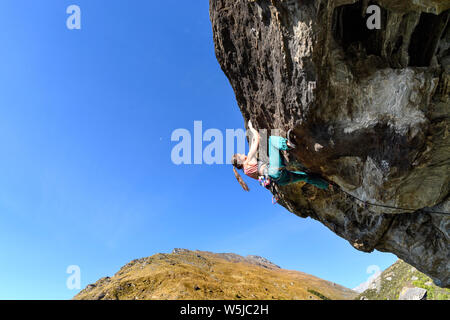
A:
86, 176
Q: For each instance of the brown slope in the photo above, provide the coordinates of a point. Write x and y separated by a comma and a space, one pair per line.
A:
200, 275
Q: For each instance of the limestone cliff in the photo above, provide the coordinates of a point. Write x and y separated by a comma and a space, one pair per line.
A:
370, 109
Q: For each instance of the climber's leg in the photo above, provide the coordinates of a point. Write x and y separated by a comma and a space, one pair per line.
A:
285, 178
279, 143
317, 181
277, 170
290, 177
313, 179
275, 160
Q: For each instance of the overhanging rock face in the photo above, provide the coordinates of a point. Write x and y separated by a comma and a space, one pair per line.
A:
370, 108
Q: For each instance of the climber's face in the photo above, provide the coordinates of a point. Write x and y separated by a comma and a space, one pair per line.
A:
241, 158
238, 160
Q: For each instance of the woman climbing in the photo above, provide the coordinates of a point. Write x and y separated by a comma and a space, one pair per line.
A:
273, 170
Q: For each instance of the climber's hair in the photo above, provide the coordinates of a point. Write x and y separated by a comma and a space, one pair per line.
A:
236, 164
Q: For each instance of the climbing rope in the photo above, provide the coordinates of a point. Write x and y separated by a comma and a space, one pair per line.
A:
387, 206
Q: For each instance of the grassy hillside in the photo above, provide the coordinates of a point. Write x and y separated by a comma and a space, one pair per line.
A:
204, 275
401, 275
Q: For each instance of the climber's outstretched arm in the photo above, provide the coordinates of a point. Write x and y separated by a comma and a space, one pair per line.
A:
256, 138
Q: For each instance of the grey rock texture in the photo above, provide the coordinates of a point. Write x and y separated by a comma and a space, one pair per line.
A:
377, 101
413, 294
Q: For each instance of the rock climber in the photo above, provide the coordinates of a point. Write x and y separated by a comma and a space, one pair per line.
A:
273, 170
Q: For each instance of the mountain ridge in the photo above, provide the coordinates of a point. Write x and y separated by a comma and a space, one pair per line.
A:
202, 275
